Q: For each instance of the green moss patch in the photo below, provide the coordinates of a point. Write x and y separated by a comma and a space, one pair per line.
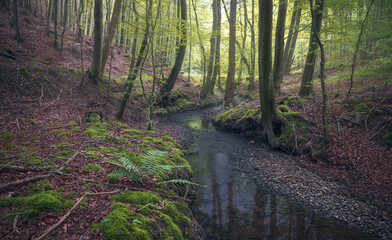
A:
92, 168
93, 154
60, 145
106, 149
64, 154
7, 135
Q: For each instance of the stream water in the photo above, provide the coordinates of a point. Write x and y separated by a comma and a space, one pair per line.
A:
234, 207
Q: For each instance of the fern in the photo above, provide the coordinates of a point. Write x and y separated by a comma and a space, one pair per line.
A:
150, 165
183, 181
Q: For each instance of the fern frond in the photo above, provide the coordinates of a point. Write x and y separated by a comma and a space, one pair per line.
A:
125, 173
129, 165
183, 181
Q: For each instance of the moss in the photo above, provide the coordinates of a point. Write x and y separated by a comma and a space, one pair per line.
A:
43, 183
177, 216
72, 123
92, 168
26, 149
30, 120
7, 135
284, 108
63, 144
34, 205
10, 145
120, 124
113, 179
138, 199
117, 225
88, 185
64, 154
52, 124
360, 108
61, 132
387, 137
76, 129
106, 149
98, 130
94, 117
93, 154
135, 131
172, 231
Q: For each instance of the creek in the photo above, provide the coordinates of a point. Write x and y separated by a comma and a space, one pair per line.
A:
233, 206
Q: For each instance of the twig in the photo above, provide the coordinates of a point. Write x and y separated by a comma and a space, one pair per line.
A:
35, 178
15, 223
17, 123
70, 211
115, 164
370, 112
23, 169
337, 120
42, 94
379, 131
58, 97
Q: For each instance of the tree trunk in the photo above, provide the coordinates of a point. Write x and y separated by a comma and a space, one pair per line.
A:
252, 50
200, 43
289, 58
324, 92
217, 47
206, 88
169, 84
110, 33
48, 15
56, 10
267, 96
279, 46
307, 78
94, 72
133, 71
16, 22
290, 37
229, 93
65, 16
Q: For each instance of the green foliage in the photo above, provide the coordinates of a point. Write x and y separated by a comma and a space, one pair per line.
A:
30, 120
92, 168
183, 181
93, 154
61, 132
106, 149
7, 135
63, 144
64, 154
153, 163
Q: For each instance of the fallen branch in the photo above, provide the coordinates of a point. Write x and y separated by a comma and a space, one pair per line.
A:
58, 97
70, 211
15, 229
337, 121
24, 169
35, 178
371, 112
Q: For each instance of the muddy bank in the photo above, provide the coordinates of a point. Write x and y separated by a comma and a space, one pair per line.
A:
281, 174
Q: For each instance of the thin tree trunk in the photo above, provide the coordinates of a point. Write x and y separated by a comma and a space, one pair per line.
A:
200, 43
55, 8
252, 50
110, 33
217, 47
65, 15
134, 71
293, 42
80, 33
356, 51
290, 35
94, 72
279, 46
16, 22
229, 93
307, 78
169, 84
207, 85
323, 89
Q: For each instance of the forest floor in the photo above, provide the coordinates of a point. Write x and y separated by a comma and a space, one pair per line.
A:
43, 108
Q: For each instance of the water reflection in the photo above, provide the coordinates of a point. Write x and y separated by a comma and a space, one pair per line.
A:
233, 207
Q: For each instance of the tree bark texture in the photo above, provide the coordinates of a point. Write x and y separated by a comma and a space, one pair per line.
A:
292, 37
267, 96
169, 84
16, 22
217, 47
229, 92
279, 46
307, 78
110, 33
94, 72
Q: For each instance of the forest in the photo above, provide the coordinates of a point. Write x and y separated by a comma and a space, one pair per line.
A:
195, 119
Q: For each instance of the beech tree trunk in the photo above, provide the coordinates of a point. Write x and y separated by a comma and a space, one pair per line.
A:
56, 10
133, 70
207, 86
217, 47
292, 38
229, 92
279, 46
252, 50
94, 72
16, 22
307, 78
169, 84
110, 33
267, 96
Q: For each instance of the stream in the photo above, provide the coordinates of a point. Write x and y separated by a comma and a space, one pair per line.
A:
233, 206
